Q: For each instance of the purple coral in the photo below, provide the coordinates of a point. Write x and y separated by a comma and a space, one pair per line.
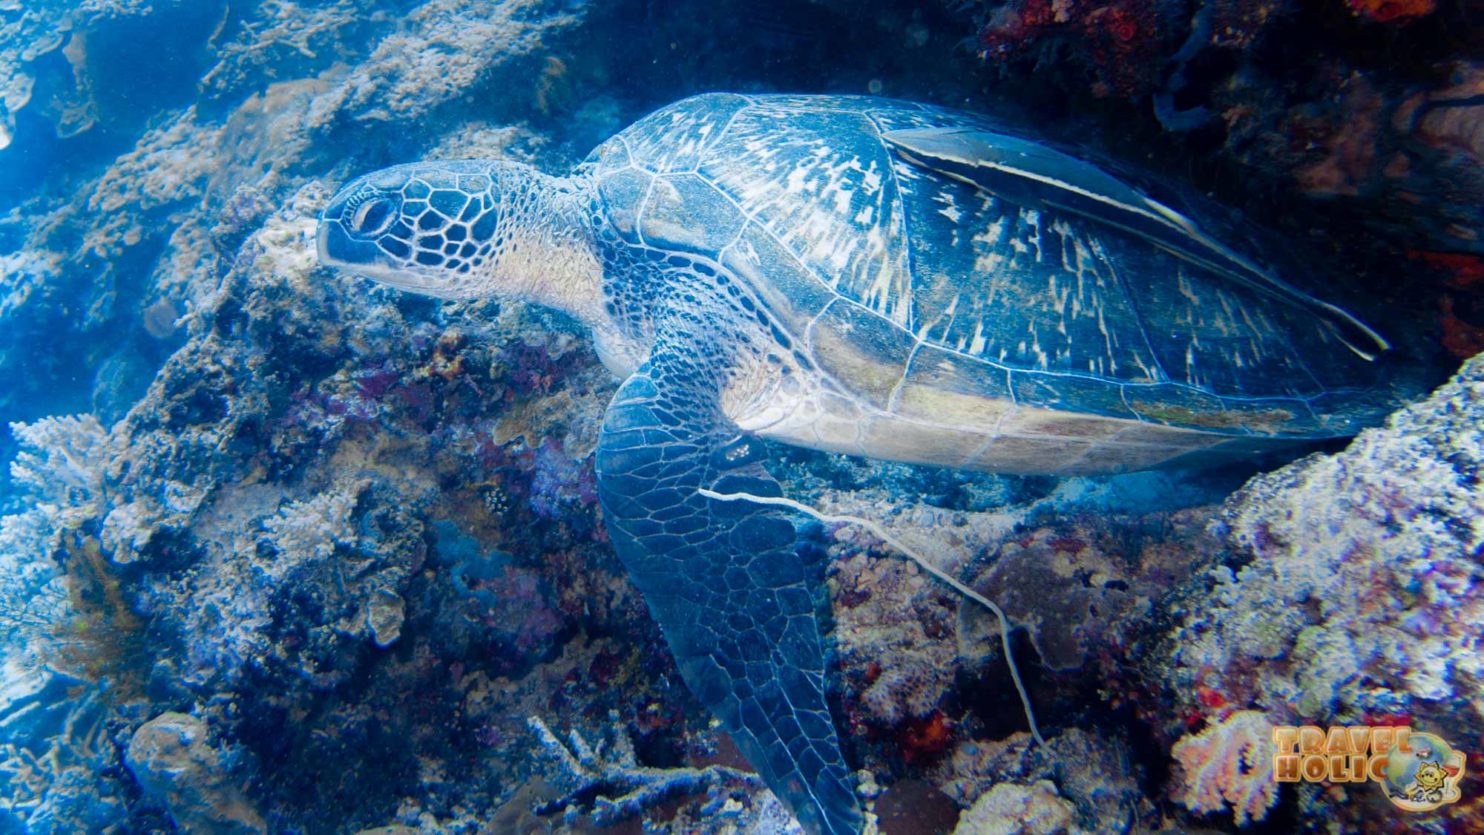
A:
560, 481
523, 615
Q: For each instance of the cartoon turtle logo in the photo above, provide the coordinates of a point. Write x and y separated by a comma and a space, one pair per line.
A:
1425, 777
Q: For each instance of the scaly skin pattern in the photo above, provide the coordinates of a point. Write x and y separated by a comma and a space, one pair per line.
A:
739, 600
740, 603
767, 267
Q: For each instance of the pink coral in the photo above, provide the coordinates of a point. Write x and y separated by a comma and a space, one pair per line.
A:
1230, 764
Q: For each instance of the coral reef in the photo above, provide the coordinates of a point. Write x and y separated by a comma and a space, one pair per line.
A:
1122, 41
31, 35
309, 552
445, 49
1397, 515
241, 511
1355, 596
167, 168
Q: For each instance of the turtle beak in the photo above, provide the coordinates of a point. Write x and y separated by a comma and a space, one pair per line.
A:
322, 239
337, 248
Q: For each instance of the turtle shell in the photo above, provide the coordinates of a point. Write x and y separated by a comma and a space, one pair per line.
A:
905, 284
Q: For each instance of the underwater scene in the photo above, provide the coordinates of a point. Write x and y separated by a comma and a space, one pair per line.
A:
824, 416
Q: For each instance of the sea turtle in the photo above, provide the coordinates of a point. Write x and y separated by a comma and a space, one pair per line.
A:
868, 276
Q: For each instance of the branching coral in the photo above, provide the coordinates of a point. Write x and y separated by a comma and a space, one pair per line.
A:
286, 37
59, 466
52, 745
62, 459
611, 775
1229, 765
33, 598
305, 532
52, 750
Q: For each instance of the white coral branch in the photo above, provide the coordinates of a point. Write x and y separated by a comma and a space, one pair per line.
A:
610, 773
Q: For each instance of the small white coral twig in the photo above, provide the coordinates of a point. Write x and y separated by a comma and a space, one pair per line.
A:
917, 557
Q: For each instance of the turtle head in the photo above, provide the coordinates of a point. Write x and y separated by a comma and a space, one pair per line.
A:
448, 229
428, 227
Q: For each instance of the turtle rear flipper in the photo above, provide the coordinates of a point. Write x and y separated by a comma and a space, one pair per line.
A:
738, 603
1032, 174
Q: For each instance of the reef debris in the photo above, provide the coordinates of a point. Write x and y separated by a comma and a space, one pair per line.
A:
610, 779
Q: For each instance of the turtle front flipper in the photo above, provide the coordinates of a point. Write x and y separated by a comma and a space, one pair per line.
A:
739, 605
1032, 174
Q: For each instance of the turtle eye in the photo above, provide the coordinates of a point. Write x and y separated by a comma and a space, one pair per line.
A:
373, 216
